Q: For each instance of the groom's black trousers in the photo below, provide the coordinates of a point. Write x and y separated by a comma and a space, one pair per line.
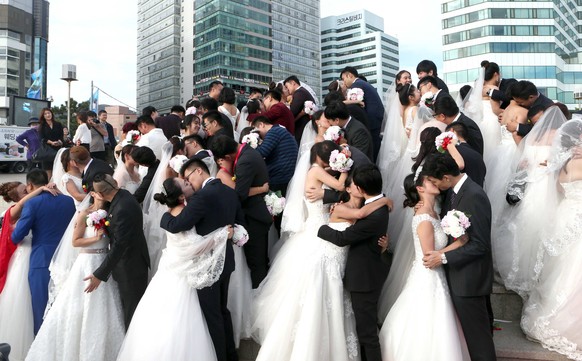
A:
213, 301
474, 318
257, 250
365, 306
131, 291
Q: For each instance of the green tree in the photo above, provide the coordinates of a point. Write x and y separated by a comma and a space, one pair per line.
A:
60, 113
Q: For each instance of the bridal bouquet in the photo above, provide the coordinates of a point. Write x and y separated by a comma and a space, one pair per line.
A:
132, 137
97, 219
240, 235
253, 139
275, 203
455, 223
310, 107
177, 162
427, 99
334, 133
340, 162
355, 94
444, 140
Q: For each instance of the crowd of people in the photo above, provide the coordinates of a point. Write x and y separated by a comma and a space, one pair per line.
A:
173, 242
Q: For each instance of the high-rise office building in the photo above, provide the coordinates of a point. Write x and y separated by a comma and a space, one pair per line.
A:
158, 54
23, 48
357, 39
243, 44
296, 46
233, 43
540, 41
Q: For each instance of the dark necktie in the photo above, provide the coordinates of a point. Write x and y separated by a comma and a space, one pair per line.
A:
453, 197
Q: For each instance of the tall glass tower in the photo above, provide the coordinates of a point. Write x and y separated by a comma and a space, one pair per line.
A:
540, 41
158, 54
233, 43
296, 49
23, 48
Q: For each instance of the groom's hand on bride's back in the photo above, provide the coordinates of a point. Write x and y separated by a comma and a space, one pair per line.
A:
314, 194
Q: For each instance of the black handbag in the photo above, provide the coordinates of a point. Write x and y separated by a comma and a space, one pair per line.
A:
45, 153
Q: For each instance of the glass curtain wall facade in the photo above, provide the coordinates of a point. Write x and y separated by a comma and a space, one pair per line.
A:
23, 48
158, 54
233, 41
357, 39
296, 46
540, 41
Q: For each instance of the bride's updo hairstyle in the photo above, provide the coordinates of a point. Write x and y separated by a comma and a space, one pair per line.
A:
323, 150
315, 117
170, 195
66, 159
427, 145
490, 69
405, 92
127, 150
410, 192
9, 191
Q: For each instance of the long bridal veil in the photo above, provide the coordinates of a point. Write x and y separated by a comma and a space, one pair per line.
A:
153, 211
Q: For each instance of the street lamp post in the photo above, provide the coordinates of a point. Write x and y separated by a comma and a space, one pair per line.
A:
69, 74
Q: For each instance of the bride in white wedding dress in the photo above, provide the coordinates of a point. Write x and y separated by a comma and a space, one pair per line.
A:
300, 311
422, 324
516, 239
551, 313
80, 325
168, 323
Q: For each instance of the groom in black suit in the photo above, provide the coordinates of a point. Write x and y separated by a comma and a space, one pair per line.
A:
469, 269
365, 272
250, 170
213, 206
128, 259
90, 167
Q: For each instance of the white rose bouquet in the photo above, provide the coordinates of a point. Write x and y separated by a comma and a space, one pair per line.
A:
177, 162
355, 94
275, 203
455, 223
252, 139
340, 162
240, 235
310, 107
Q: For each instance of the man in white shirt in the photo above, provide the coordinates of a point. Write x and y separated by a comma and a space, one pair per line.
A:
151, 136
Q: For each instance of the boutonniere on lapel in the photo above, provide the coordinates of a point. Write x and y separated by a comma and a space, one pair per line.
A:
455, 223
85, 189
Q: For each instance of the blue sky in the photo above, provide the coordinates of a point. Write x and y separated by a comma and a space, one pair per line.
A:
102, 42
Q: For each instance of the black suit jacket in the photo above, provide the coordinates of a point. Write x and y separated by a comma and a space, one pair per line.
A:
359, 136
142, 190
469, 268
128, 256
441, 85
300, 96
501, 94
359, 158
524, 129
221, 131
212, 207
365, 270
111, 135
474, 164
474, 138
97, 166
357, 112
201, 155
251, 171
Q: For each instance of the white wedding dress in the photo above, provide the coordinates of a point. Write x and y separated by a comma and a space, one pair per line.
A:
240, 297
16, 321
82, 326
491, 131
301, 311
422, 324
552, 312
168, 323
516, 239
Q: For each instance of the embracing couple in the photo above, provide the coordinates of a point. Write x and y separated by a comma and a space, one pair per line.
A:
442, 312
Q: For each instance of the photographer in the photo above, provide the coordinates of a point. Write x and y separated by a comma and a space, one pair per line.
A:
98, 132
